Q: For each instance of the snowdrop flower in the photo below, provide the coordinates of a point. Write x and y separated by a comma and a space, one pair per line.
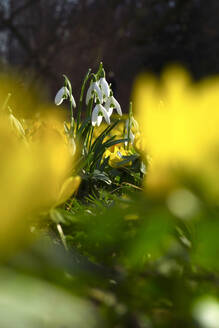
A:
62, 94
133, 123
104, 87
94, 90
96, 117
128, 128
131, 137
112, 103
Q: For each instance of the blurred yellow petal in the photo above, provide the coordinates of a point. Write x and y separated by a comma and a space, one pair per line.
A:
69, 187
31, 179
179, 125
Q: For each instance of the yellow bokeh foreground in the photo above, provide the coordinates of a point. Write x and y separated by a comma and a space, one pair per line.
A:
35, 175
179, 122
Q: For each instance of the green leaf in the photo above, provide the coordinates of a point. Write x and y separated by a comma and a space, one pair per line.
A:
101, 176
101, 137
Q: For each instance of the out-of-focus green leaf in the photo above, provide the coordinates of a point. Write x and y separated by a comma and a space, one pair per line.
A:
206, 246
29, 303
152, 240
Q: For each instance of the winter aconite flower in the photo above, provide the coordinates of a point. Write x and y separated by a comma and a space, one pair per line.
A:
117, 155
97, 115
179, 125
63, 94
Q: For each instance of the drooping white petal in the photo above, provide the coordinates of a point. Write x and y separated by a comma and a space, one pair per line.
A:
96, 118
105, 114
98, 92
89, 93
61, 95
105, 87
110, 111
117, 105
73, 101
99, 119
94, 115
108, 106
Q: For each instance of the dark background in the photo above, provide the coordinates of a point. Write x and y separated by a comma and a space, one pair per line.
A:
46, 38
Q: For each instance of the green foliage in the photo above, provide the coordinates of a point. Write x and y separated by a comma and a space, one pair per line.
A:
128, 254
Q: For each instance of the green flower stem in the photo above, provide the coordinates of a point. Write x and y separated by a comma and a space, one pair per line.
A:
89, 108
129, 125
100, 71
88, 137
68, 85
91, 136
81, 98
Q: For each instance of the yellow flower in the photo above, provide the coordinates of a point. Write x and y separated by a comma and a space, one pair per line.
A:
117, 131
116, 156
179, 123
33, 179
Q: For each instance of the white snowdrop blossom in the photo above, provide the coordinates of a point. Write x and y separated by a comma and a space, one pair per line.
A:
131, 137
98, 92
128, 127
104, 87
97, 115
99, 120
134, 123
94, 91
62, 94
112, 103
